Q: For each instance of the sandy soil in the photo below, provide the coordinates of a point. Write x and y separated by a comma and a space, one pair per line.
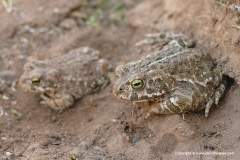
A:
100, 126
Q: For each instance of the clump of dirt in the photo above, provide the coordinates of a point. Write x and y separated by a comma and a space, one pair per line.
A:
94, 13
134, 132
100, 126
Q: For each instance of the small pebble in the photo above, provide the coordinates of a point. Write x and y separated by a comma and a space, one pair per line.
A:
8, 154
135, 139
90, 118
56, 10
68, 24
98, 149
4, 97
115, 120
54, 119
56, 141
13, 102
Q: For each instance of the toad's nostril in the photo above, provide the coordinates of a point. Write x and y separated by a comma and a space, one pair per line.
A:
121, 88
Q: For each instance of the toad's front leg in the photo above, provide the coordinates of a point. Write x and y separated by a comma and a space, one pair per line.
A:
58, 102
179, 103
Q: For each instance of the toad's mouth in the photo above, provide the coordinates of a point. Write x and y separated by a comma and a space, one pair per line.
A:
47, 95
133, 100
144, 98
136, 98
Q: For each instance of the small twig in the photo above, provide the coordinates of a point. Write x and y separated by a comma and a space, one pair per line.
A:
34, 30
236, 26
7, 4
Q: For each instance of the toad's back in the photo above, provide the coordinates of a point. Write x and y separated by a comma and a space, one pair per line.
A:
83, 71
65, 78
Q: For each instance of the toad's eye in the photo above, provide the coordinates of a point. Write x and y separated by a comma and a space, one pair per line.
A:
137, 84
36, 81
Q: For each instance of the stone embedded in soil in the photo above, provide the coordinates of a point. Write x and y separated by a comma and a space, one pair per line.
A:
7, 74
68, 24
6, 79
56, 141
184, 131
3, 86
135, 139
165, 145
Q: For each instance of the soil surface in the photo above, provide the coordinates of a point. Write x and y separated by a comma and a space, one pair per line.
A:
100, 126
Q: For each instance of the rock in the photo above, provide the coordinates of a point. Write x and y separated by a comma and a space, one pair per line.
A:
68, 24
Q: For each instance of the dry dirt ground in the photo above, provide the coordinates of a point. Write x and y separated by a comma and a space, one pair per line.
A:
100, 126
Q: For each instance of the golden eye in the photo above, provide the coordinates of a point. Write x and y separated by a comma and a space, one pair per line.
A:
36, 81
137, 84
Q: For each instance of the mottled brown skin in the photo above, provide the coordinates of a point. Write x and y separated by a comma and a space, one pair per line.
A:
174, 78
66, 78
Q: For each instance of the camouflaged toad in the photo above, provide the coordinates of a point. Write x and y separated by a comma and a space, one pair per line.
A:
66, 78
174, 78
